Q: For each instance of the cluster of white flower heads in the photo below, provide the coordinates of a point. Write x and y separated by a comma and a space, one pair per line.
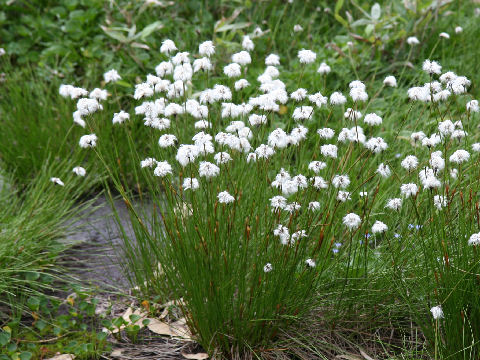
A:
232, 129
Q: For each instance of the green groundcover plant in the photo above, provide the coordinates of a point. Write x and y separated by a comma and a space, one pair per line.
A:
264, 198
72, 322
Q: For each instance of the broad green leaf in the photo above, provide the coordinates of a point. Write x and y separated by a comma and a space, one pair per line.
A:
115, 35
149, 29
219, 24
134, 318
338, 6
341, 20
32, 275
40, 325
117, 322
4, 338
229, 27
376, 11
55, 49
33, 303
102, 335
26, 355
368, 29
76, 14
360, 22
227, 21
123, 83
132, 31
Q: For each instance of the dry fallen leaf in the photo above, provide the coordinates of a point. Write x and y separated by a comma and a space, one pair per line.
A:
348, 357
159, 327
197, 356
181, 329
138, 312
63, 357
178, 328
365, 355
116, 353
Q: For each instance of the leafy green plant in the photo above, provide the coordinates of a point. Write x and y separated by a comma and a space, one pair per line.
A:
72, 324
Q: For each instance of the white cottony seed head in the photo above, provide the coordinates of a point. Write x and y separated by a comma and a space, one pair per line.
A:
352, 221
437, 312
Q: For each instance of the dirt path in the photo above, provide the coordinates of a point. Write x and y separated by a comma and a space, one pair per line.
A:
95, 257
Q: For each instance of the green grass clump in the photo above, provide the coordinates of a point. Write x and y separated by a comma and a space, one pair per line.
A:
34, 221
246, 268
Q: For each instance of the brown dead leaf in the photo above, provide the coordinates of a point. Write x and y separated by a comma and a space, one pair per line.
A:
138, 312
127, 313
164, 313
359, 38
336, 48
348, 357
63, 357
180, 322
116, 353
160, 328
365, 355
176, 329
198, 356
180, 328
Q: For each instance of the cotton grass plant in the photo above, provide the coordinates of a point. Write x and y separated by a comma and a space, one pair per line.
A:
442, 238
35, 222
30, 114
264, 197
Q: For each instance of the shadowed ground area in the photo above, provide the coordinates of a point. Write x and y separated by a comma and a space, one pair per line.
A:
94, 256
